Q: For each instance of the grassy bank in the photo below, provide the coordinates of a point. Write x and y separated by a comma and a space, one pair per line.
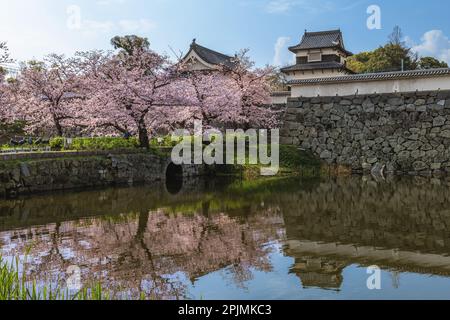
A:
293, 162
15, 285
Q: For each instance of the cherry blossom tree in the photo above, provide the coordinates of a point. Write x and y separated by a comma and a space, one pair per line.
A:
129, 91
136, 91
49, 95
253, 88
237, 97
213, 97
4, 99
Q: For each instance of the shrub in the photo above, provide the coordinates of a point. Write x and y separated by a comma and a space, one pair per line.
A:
57, 143
292, 157
105, 143
165, 141
93, 144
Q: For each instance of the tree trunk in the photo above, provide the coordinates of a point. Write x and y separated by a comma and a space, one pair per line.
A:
58, 127
143, 135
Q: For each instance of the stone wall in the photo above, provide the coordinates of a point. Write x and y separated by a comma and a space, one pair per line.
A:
401, 133
25, 175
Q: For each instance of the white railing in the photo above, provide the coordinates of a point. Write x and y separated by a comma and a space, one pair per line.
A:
11, 70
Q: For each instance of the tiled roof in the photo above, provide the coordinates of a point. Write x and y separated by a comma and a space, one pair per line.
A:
377, 76
315, 66
211, 56
320, 40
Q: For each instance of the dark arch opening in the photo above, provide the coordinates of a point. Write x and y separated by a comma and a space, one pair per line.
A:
174, 178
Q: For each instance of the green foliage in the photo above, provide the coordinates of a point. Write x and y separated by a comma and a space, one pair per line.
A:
165, 141
292, 161
15, 286
383, 59
391, 57
92, 144
129, 44
108, 143
12, 129
293, 158
431, 63
358, 62
57, 143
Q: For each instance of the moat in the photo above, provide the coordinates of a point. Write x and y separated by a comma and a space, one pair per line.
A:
272, 239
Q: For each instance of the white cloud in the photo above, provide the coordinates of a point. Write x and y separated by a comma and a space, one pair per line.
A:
109, 2
139, 25
94, 27
280, 46
311, 7
280, 6
90, 27
97, 27
433, 43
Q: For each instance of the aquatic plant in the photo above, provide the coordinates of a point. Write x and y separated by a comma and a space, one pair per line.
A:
15, 285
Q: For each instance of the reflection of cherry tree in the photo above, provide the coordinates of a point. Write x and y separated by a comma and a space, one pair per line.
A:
151, 251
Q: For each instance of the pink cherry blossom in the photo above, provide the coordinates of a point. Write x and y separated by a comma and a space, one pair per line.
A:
49, 95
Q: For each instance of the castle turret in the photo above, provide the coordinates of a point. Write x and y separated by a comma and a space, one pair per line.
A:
319, 54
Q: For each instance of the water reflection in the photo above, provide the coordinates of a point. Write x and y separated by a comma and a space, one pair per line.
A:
216, 239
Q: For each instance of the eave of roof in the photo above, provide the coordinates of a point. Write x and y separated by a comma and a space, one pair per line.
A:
338, 48
321, 40
376, 76
315, 66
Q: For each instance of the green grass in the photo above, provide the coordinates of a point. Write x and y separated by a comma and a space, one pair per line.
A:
294, 158
94, 144
107, 143
293, 161
15, 285
25, 147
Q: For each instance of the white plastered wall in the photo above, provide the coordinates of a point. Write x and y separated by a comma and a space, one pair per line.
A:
371, 87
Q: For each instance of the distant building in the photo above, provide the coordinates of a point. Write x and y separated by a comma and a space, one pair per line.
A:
200, 58
321, 70
11, 70
319, 54
373, 83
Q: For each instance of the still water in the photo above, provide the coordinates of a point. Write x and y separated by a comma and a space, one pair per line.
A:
276, 239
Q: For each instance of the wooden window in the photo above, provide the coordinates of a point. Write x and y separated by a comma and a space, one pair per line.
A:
315, 56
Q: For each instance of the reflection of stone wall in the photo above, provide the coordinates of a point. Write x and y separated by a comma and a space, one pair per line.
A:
59, 207
37, 175
405, 132
407, 214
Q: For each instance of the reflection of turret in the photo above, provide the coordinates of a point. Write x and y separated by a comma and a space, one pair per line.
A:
319, 272
348, 254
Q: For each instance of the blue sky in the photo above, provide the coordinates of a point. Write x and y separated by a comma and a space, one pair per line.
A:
36, 27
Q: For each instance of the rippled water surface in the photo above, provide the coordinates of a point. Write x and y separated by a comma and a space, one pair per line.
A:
275, 239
